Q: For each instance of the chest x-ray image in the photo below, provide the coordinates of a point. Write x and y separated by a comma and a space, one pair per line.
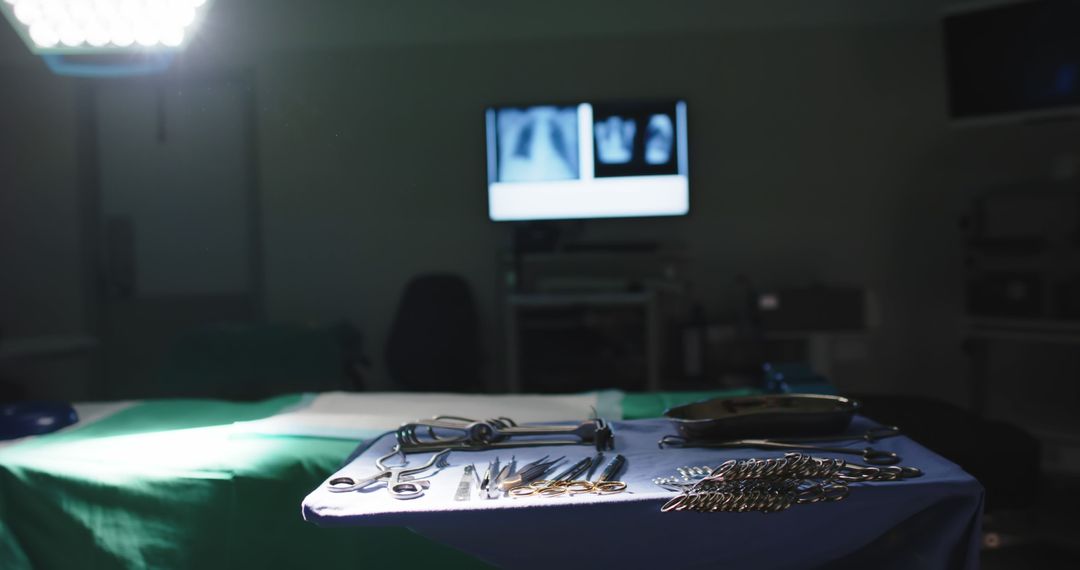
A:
615, 140
537, 144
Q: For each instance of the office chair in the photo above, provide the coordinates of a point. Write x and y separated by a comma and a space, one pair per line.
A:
434, 341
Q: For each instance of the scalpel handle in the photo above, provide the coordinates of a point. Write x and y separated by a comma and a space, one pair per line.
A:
464, 489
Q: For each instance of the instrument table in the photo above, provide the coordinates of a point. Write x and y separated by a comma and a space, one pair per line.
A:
929, 522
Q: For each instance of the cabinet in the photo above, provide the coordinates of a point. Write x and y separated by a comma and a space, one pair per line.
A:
569, 342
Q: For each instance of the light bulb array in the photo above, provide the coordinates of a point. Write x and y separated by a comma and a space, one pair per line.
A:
104, 25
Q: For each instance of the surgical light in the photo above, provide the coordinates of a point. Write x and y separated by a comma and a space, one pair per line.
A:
71, 27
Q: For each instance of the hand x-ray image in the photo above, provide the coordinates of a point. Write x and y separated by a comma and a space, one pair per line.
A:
537, 144
615, 140
659, 139
634, 139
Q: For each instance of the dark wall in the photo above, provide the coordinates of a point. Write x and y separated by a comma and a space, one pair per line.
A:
816, 155
40, 227
42, 291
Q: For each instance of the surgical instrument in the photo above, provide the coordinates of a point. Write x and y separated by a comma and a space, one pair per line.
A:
869, 454
485, 479
573, 471
567, 482
529, 473
499, 475
490, 475
464, 490
775, 484
597, 460
554, 486
791, 465
608, 481
686, 476
870, 435
400, 481
605, 484
495, 487
465, 434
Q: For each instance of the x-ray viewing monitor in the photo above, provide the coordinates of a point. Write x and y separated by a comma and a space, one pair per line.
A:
587, 160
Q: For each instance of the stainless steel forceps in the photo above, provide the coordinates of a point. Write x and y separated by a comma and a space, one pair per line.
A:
869, 454
400, 481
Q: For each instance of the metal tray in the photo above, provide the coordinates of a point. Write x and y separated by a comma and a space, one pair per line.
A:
763, 416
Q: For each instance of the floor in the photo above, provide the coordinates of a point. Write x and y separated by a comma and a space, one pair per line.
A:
1046, 536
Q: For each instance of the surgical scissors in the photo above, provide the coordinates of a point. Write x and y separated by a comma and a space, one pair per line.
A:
529, 473
554, 486
567, 483
869, 454
400, 482
606, 483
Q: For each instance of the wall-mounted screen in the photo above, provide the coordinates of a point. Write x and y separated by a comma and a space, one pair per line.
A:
587, 160
1013, 61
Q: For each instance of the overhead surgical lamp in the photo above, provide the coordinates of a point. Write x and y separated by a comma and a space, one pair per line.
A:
117, 37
